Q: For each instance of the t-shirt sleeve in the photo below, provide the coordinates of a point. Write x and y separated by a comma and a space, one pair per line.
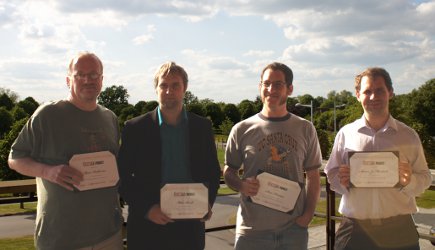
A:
233, 158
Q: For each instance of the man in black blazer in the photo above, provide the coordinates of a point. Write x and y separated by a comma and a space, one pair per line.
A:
166, 145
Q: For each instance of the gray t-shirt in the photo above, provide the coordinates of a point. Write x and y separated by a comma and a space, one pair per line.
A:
285, 147
70, 219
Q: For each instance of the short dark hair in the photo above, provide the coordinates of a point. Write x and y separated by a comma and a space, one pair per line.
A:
288, 73
170, 68
374, 72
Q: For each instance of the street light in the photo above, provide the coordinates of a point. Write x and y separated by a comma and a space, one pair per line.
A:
335, 117
306, 105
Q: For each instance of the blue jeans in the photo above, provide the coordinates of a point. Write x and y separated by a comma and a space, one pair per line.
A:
295, 237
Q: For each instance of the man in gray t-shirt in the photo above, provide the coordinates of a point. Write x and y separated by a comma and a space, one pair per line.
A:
68, 218
283, 145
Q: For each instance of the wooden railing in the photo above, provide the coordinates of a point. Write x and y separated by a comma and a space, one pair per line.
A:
21, 190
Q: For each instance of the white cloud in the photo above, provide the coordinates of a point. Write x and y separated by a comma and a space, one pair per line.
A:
259, 53
427, 8
325, 42
139, 40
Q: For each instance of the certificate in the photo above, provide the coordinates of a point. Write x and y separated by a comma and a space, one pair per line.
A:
99, 170
276, 192
374, 169
184, 200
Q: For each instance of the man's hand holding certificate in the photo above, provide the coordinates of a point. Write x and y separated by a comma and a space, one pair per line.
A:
184, 200
276, 192
374, 169
99, 170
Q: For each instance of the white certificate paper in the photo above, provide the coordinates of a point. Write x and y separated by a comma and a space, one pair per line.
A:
184, 200
374, 169
99, 170
276, 192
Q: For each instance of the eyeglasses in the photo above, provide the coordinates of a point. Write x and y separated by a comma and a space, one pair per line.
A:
174, 86
92, 76
275, 85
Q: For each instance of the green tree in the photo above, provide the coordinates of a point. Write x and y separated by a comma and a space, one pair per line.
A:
427, 141
215, 113
246, 109
422, 105
258, 104
226, 126
400, 108
12, 95
351, 113
232, 113
205, 101
6, 101
151, 105
5, 145
324, 120
139, 107
304, 111
6, 119
29, 105
196, 108
190, 98
18, 113
114, 98
325, 143
126, 113
306, 99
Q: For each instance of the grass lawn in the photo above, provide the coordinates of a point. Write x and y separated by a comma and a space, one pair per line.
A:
7, 209
22, 243
426, 200
221, 157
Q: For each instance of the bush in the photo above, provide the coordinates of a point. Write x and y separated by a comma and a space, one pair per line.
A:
325, 143
5, 146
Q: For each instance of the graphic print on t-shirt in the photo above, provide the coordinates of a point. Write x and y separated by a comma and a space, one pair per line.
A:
95, 140
279, 147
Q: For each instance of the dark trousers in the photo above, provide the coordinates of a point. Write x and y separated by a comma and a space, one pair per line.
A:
181, 235
398, 233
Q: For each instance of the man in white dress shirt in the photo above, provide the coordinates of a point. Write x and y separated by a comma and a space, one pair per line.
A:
377, 218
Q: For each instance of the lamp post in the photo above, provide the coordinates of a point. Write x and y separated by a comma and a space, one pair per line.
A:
306, 105
335, 116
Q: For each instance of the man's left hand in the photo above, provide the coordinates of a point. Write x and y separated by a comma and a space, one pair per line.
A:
303, 220
405, 173
208, 215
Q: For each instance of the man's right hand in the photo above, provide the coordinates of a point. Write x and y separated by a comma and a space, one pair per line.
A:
250, 186
156, 215
344, 174
63, 175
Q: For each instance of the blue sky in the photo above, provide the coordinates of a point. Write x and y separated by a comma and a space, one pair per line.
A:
222, 44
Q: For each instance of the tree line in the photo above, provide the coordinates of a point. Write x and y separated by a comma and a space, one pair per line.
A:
330, 113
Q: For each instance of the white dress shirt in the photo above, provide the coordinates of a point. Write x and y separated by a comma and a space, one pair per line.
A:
376, 203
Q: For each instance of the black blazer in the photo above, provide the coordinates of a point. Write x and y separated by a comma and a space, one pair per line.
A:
140, 167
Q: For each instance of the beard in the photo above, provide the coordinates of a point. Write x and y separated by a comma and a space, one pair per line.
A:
281, 101
170, 104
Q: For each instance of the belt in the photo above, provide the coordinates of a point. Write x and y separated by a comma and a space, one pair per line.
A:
380, 221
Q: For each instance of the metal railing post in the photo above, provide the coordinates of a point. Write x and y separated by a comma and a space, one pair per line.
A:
330, 222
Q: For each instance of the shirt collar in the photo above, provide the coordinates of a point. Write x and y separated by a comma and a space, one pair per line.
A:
161, 120
391, 123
